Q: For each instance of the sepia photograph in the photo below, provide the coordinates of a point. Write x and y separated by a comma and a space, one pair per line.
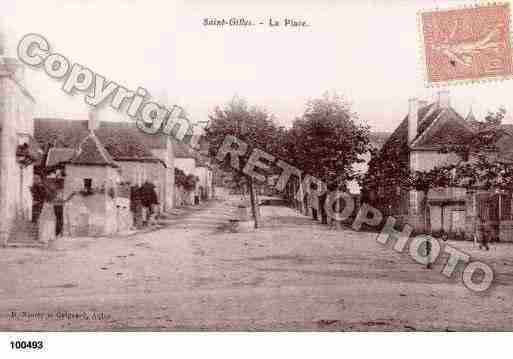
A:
255, 166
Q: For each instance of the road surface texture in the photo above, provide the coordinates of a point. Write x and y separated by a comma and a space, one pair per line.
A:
291, 274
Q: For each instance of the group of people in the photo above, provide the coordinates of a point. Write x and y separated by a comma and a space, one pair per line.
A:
143, 204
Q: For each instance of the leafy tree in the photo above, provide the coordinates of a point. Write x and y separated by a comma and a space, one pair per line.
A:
495, 118
252, 125
326, 142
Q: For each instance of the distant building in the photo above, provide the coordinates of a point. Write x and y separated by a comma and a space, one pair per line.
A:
195, 162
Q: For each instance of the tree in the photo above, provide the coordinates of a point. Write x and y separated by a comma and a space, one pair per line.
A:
252, 125
328, 141
495, 118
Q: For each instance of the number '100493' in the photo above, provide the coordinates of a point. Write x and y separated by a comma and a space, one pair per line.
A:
21, 344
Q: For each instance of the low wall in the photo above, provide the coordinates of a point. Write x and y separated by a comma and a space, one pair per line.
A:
96, 215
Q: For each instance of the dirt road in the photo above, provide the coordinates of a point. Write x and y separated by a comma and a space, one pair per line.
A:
292, 274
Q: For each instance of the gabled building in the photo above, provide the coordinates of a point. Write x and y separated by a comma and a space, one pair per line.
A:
139, 156
94, 174
416, 145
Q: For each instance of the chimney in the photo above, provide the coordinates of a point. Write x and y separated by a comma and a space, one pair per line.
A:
413, 115
93, 123
444, 99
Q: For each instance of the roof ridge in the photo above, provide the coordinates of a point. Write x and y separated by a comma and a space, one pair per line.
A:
98, 146
430, 126
101, 148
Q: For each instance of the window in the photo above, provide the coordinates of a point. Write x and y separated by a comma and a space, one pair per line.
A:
88, 184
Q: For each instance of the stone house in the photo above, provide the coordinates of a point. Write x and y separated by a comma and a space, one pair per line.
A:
97, 159
96, 210
18, 150
140, 157
415, 146
151, 158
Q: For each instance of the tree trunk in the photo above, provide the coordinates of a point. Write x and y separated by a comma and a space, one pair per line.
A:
424, 211
314, 204
324, 215
253, 201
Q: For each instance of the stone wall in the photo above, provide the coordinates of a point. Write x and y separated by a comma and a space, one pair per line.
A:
167, 155
100, 176
16, 107
99, 213
96, 215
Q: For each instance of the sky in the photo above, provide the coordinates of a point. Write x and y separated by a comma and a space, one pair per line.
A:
368, 51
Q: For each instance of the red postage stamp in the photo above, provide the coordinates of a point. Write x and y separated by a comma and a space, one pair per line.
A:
467, 44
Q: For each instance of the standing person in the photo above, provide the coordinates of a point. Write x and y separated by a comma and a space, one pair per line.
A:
149, 199
483, 234
136, 206
58, 209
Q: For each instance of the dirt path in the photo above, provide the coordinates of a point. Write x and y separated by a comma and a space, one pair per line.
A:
291, 274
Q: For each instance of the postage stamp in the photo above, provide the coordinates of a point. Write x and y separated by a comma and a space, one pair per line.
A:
467, 44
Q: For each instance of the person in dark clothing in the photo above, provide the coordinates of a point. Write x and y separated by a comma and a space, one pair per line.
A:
135, 205
148, 198
58, 209
483, 234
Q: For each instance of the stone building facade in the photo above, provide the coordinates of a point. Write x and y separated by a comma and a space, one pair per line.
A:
16, 168
96, 160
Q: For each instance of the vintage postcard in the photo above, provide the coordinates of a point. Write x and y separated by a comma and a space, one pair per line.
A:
303, 165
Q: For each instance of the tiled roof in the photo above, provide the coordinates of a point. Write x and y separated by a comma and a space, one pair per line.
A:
398, 141
450, 128
59, 155
122, 142
91, 152
60, 132
120, 139
157, 141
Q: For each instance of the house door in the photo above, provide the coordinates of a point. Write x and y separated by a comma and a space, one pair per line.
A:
435, 216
